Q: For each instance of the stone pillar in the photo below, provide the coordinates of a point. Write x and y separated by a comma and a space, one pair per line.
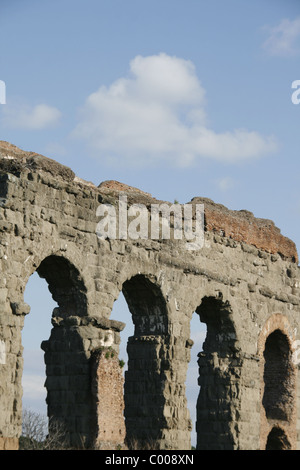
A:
68, 361
214, 411
228, 415
11, 367
68, 384
144, 387
177, 433
155, 401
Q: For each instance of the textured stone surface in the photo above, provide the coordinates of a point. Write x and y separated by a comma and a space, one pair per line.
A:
243, 279
107, 386
242, 226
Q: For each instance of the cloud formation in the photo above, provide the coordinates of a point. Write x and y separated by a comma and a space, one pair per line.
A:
225, 183
22, 116
284, 39
156, 115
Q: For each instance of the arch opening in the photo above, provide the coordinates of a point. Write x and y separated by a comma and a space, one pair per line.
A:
65, 284
144, 378
37, 326
147, 306
68, 396
279, 377
217, 375
198, 333
216, 314
277, 440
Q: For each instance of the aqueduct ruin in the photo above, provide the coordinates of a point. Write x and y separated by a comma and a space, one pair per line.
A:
243, 283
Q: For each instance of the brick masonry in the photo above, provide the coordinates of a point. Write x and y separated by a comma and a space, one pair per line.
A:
107, 389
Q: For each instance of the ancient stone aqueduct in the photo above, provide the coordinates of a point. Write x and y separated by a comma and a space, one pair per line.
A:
243, 283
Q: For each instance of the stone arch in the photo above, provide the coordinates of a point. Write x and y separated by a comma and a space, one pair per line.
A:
65, 284
216, 313
278, 376
144, 380
67, 383
147, 305
217, 375
277, 440
55, 264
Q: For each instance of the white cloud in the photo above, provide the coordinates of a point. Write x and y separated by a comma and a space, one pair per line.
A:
33, 386
284, 39
22, 116
158, 114
225, 183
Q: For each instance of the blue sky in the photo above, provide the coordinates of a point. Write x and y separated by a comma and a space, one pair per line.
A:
178, 98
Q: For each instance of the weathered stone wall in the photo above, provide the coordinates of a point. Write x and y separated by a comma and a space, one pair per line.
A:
245, 274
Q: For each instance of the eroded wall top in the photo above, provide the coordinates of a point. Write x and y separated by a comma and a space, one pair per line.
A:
241, 225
